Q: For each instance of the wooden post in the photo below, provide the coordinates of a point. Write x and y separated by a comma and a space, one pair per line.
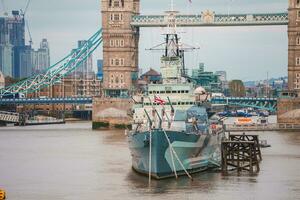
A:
250, 160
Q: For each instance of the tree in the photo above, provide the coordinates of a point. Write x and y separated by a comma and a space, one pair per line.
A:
237, 88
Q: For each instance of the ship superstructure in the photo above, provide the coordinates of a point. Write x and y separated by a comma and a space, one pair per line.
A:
171, 133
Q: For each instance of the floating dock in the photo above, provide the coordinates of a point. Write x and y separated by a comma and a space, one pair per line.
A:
44, 122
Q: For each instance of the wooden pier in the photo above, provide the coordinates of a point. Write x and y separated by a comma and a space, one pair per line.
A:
241, 153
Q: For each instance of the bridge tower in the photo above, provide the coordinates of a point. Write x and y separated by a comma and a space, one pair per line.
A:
120, 47
294, 46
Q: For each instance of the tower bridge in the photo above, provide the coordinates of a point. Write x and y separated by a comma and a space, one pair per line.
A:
121, 23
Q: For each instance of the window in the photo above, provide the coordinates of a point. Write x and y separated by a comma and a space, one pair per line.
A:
116, 4
112, 78
112, 43
117, 62
297, 61
298, 40
116, 43
116, 17
298, 15
298, 3
121, 43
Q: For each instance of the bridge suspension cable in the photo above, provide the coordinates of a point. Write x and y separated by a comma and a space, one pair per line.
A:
57, 71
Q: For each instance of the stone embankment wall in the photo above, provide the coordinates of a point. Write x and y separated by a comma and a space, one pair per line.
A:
288, 111
111, 113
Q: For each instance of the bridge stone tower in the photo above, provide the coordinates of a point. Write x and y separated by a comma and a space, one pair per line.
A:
294, 46
120, 47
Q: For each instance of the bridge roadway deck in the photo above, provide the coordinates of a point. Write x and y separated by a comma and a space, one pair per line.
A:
260, 103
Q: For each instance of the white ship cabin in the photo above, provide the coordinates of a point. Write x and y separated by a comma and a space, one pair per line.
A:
157, 102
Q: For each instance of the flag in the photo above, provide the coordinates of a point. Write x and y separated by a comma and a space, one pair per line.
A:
159, 100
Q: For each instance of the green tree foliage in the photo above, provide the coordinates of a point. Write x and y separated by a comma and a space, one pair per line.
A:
237, 88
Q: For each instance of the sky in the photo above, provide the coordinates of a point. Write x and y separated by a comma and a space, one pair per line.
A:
247, 53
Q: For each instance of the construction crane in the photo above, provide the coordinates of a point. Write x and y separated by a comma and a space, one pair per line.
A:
29, 33
4, 9
26, 7
23, 13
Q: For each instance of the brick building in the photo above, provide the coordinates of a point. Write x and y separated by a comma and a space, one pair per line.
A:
68, 87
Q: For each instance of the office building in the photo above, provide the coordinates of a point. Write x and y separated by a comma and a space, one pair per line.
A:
17, 59
222, 75
100, 69
2, 80
12, 42
26, 62
85, 69
6, 59
41, 57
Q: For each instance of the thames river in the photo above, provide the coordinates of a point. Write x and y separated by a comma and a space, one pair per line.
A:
71, 161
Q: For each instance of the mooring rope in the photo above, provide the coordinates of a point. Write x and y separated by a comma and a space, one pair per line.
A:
171, 147
150, 157
173, 163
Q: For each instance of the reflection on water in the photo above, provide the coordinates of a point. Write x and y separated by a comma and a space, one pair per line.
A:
73, 162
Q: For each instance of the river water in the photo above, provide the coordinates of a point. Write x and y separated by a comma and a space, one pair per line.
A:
71, 161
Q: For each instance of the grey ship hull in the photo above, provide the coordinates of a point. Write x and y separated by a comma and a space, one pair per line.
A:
196, 152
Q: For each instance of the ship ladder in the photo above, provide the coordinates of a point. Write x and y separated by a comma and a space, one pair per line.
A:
176, 156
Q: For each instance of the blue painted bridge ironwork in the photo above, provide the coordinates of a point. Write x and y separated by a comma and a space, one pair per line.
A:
259, 103
269, 104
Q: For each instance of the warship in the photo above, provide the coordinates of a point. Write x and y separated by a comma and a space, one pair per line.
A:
171, 133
